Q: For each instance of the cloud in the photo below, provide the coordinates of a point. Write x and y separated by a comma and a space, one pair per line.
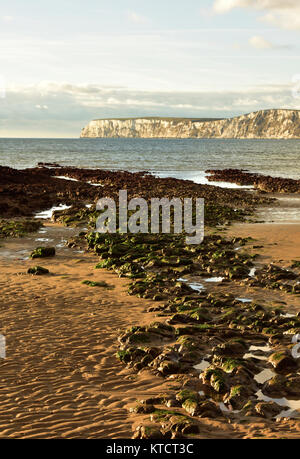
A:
259, 42
24, 111
7, 19
136, 18
42, 107
282, 13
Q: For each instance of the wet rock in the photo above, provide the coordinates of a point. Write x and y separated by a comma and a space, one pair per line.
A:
102, 284
231, 348
187, 394
161, 329
209, 409
172, 403
18, 228
283, 362
237, 397
268, 409
283, 386
183, 425
191, 407
169, 367
43, 252
148, 432
142, 409
215, 378
38, 271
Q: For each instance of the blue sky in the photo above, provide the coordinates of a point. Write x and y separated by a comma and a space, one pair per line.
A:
63, 63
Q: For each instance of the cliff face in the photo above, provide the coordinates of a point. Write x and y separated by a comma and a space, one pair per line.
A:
265, 124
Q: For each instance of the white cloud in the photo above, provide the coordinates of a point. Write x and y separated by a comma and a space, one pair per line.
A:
259, 42
136, 18
23, 112
42, 107
7, 19
73, 106
282, 13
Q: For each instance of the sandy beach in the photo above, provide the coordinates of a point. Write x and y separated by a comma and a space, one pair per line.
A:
61, 377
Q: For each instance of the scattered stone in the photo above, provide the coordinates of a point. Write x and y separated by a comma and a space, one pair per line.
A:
38, 271
43, 252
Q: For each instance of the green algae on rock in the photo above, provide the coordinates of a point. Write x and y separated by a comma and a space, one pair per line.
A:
38, 271
102, 284
18, 228
43, 252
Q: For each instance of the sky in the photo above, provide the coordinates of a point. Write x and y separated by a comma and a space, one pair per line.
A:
64, 63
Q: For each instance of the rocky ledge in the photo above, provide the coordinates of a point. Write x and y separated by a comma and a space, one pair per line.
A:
264, 183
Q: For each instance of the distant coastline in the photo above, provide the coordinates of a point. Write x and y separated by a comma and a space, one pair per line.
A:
263, 124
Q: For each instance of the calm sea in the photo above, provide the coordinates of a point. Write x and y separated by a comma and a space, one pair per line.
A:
183, 158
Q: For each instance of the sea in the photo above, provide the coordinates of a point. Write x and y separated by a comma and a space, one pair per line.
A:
180, 158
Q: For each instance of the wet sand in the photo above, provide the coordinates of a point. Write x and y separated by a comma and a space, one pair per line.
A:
277, 243
61, 377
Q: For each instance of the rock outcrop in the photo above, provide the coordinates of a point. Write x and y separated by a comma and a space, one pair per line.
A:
264, 124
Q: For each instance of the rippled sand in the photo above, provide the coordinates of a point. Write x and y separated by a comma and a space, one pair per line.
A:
61, 378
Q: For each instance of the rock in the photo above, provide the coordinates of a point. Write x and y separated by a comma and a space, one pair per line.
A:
183, 425
282, 386
161, 329
148, 432
102, 284
172, 403
216, 378
38, 271
209, 409
18, 228
187, 394
268, 409
43, 252
142, 409
231, 348
283, 362
192, 407
237, 397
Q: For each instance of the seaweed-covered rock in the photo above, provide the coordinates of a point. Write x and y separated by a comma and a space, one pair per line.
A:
169, 367
268, 409
18, 228
148, 432
142, 409
283, 362
283, 386
102, 284
237, 397
43, 252
215, 378
38, 271
209, 409
231, 348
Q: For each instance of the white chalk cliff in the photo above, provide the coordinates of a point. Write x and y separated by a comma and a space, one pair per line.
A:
264, 124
